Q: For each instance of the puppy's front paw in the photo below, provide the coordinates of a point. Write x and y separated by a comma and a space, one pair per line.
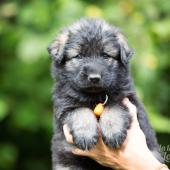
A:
114, 123
85, 139
113, 140
83, 125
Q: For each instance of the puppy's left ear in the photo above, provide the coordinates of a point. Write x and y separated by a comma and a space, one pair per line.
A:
56, 49
126, 51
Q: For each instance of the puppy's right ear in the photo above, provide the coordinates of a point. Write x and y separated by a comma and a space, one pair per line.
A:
56, 49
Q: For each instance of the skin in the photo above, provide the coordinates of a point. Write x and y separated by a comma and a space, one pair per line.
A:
128, 156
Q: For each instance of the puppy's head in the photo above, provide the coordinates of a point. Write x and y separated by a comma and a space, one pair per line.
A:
91, 55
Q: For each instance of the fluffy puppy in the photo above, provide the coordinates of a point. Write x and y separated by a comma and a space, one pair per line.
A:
90, 60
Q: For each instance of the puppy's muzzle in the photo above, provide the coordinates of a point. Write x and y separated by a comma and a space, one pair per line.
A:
93, 73
94, 78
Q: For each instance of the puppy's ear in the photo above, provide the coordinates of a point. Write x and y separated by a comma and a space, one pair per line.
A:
126, 51
56, 49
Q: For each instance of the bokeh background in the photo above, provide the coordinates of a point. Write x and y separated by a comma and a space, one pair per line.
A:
26, 29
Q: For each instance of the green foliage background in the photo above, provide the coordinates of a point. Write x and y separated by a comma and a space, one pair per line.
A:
26, 29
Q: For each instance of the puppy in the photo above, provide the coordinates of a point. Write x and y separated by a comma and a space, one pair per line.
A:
90, 60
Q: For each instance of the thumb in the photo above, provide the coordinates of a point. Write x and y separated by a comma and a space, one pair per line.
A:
132, 110
67, 134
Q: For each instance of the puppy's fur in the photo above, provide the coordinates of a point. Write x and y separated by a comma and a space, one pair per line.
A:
91, 59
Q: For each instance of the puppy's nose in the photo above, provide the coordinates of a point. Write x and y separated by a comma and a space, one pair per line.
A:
94, 78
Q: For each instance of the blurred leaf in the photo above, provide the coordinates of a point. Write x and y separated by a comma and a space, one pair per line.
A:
151, 61
162, 29
159, 122
27, 117
31, 47
36, 14
8, 156
9, 10
3, 109
93, 11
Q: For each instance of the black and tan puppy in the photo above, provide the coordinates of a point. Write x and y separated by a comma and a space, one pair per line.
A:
91, 60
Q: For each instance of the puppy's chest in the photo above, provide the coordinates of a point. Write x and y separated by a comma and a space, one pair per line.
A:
100, 105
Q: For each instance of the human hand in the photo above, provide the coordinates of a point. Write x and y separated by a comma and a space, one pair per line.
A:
133, 154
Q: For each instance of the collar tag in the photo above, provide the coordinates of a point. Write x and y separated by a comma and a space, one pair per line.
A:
99, 108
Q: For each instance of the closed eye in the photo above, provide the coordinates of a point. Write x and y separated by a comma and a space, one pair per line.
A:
105, 55
78, 56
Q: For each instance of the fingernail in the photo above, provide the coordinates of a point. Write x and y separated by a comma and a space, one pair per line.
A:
125, 101
75, 151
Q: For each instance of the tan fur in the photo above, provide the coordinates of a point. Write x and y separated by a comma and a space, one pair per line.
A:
110, 50
122, 40
72, 52
70, 65
58, 44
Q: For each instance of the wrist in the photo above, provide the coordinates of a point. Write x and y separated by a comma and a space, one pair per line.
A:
143, 161
163, 167
149, 162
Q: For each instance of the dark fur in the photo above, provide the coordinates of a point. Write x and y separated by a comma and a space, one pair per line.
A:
91, 46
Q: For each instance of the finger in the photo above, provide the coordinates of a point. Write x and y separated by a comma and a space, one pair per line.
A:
87, 152
67, 134
133, 111
81, 152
